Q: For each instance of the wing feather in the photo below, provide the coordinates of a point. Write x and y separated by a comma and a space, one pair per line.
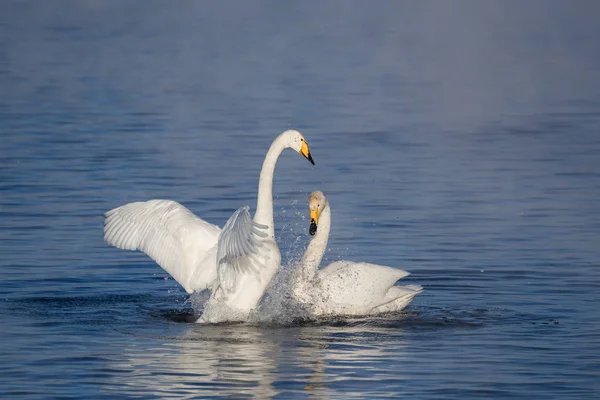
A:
167, 232
239, 241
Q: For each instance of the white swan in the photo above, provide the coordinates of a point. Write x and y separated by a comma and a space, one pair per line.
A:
236, 263
345, 287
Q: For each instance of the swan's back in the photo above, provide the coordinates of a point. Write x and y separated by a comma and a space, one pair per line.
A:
357, 284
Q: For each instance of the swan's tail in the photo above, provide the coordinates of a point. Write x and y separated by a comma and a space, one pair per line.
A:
397, 298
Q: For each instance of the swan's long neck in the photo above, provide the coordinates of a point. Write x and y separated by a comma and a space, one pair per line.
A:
264, 204
317, 246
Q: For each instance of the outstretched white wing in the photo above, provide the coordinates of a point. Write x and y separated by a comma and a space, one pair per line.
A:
239, 242
167, 232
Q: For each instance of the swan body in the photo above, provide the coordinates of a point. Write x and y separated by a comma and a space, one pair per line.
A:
345, 287
236, 263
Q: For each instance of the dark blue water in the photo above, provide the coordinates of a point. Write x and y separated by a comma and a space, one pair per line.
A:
457, 140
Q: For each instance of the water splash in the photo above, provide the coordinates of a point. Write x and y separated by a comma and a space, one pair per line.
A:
277, 306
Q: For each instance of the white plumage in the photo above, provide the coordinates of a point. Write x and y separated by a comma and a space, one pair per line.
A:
236, 263
171, 235
345, 287
239, 240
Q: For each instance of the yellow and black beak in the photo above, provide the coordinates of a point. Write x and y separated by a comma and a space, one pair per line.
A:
306, 152
314, 221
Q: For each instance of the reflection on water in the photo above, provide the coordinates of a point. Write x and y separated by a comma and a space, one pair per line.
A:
234, 360
224, 360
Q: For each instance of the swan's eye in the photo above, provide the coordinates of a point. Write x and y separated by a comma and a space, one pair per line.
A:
302, 139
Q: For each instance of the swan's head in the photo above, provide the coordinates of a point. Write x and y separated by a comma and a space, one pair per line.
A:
295, 140
316, 203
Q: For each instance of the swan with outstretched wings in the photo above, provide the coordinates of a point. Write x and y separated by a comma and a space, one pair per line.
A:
236, 263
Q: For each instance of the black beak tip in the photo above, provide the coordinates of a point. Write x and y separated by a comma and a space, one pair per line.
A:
310, 159
313, 228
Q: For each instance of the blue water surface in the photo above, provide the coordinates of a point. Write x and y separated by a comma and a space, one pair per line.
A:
459, 141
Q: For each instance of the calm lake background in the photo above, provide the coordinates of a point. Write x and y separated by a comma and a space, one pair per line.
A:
459, 141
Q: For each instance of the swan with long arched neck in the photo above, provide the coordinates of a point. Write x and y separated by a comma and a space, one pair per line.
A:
345, 287
237, 263
264, 202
